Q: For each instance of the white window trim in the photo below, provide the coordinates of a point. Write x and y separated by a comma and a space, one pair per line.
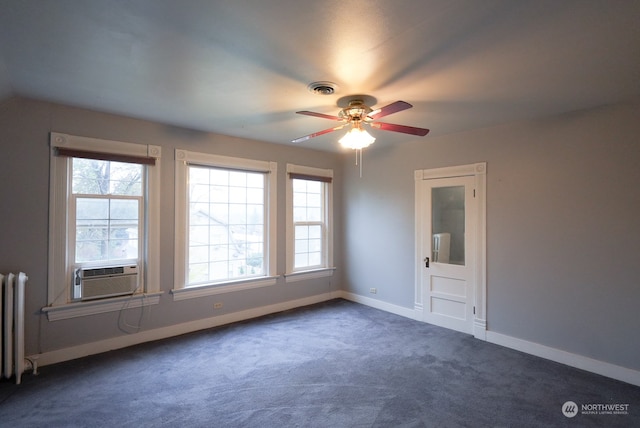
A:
309, 274
92, 307
182, 160
292, 275
58, 286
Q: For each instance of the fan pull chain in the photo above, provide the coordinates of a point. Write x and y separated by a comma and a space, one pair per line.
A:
359, 162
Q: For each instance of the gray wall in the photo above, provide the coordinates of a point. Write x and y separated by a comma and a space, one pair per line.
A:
563, 235
24, 191
562, 228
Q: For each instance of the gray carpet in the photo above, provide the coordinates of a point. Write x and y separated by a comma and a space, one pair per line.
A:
335, 364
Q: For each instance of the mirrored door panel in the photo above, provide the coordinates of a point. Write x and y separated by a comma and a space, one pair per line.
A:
447, 204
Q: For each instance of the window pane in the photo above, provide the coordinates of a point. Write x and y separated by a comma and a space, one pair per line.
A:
124, 209
123, 229
255, 180
107, 229
237, 214
218, 176
88, 251
198, 272
98, 177
219, 214
299, 214
255, 196
92, 209
315, 232
237, 178
308, 217
219, 194
198, 175
299, 199
315, 245
314, 186
238, 195
448, 225
234, 222
315, 259
220, 253
255, 214
219, 234
302, 246
199, 235
199, 254
219, 271
314, 214
299, 185
313, 200
199, 192
89, 230
302, 232
301, 260
121, 249
199, 213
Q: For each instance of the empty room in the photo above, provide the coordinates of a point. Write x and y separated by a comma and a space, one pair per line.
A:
320, 213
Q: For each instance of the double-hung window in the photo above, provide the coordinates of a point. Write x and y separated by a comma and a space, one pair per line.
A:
103, 225
309, 222
106, 212
225, 224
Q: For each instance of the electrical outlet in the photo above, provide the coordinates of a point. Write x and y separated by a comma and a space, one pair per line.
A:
373, 290
217, 305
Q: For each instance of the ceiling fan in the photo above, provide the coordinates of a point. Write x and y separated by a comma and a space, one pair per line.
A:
357, 114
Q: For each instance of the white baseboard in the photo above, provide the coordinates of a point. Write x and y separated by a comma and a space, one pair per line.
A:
574, 360
379, 304
100, 346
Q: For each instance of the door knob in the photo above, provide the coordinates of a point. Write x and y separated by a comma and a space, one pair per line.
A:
426, 262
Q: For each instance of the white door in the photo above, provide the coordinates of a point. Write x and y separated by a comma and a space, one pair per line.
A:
448, 213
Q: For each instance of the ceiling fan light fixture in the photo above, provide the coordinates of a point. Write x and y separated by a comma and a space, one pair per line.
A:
357, 139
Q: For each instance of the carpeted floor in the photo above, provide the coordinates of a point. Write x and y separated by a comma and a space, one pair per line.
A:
335, 364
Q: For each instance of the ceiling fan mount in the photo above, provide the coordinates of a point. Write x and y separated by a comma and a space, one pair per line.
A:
356, 111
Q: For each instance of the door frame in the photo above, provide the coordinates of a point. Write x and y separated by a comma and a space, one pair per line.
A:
479, 172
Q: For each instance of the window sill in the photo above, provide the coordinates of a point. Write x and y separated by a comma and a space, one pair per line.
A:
81, 309
309, 274
227, 287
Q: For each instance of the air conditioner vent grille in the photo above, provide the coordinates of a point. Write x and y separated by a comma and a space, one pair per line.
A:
104, 271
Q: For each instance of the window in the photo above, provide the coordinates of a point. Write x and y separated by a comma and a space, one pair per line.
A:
309, 222
225, 224
104, 205
106, 212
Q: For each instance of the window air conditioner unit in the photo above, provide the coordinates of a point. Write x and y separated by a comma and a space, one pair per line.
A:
98, 283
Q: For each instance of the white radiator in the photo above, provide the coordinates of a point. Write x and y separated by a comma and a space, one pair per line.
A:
12, 360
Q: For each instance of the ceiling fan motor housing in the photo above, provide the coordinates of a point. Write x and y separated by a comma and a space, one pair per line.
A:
356, 111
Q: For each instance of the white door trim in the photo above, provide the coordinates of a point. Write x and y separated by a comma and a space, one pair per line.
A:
479, 172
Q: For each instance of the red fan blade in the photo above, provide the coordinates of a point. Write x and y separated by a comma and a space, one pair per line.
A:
389, 109
322, 115
400, 128
316, 134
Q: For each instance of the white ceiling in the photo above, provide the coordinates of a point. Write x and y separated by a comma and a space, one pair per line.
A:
241, 67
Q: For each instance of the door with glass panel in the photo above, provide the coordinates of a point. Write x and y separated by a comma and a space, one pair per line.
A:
448, 235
